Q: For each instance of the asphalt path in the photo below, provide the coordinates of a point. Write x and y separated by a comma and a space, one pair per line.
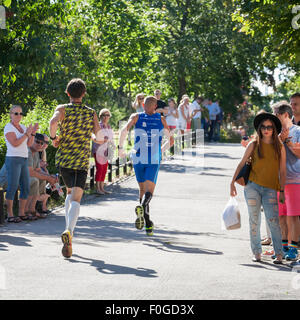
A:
189, 257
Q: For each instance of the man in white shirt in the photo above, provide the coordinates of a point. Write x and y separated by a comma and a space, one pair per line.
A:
195, 113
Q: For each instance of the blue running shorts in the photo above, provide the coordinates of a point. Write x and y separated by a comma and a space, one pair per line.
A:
144, 172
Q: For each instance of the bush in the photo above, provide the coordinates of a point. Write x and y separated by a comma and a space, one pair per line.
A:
41, 113
229, 136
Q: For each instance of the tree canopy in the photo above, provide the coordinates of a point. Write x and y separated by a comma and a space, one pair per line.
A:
213, 48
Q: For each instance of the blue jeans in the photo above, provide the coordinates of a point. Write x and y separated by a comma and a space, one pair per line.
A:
256, 196
17, 174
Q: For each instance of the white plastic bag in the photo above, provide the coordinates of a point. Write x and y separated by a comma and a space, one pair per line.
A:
231, 215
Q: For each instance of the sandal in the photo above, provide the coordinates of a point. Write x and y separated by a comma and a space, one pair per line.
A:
23, 218
13, 219
30, 216
39, 215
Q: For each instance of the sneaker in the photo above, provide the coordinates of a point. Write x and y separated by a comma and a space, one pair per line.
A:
139, 222
149, 230
292, 254
285, 251
66, 239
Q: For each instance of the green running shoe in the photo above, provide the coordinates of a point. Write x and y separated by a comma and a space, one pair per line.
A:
149, 230
139, 222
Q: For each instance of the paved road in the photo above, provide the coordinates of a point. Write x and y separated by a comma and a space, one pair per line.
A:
189, 257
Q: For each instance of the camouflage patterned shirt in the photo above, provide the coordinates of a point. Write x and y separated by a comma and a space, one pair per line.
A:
75, 136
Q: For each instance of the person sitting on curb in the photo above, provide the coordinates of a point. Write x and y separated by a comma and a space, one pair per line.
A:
38, 178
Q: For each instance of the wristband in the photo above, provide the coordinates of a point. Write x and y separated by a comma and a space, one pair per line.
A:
287, 140
52, 138
281, 190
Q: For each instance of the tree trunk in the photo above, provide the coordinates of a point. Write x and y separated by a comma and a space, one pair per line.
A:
182, 88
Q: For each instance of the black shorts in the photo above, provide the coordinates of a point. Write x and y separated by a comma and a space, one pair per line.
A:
73, 178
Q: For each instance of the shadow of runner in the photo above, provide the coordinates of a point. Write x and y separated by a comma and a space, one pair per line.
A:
107, 268
268, 266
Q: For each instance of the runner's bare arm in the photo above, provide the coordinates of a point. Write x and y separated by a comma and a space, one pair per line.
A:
58, 116
124, 131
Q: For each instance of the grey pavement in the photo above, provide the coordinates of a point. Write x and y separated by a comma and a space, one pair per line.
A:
189, 257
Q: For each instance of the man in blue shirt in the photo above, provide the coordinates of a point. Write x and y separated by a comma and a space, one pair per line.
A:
295, 104
213, 109
146, 155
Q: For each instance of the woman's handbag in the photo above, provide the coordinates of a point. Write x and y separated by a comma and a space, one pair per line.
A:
243, 176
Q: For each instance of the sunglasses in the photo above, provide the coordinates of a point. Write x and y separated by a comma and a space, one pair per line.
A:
18, 113
105, 115
41, 142
142, 98
269, 128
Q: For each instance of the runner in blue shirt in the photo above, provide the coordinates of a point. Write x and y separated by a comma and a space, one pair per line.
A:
150, 127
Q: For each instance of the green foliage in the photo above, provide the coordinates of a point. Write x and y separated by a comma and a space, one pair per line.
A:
230, 136
4, 119
272, 22
123, 47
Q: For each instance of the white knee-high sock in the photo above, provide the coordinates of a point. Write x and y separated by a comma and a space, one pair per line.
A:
73, 215
67, 207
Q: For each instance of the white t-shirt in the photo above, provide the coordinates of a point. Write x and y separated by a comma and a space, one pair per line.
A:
195, 106
171, 120
22, 149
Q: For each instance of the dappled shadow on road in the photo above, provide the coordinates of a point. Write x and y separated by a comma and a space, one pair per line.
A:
111, 269
118, 193
13, 240
203, 170
219, 155
100, 231
171, 245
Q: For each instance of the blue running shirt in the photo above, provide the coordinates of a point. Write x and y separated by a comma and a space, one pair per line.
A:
148, 134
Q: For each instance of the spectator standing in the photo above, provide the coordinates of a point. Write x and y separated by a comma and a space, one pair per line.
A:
17, 138
213, 111
289, 211
162, 107
295, 103
183, 112
172, 115
267, 176
101, 149
138, 104
38, 178
195, 113
205, 118
219, 121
